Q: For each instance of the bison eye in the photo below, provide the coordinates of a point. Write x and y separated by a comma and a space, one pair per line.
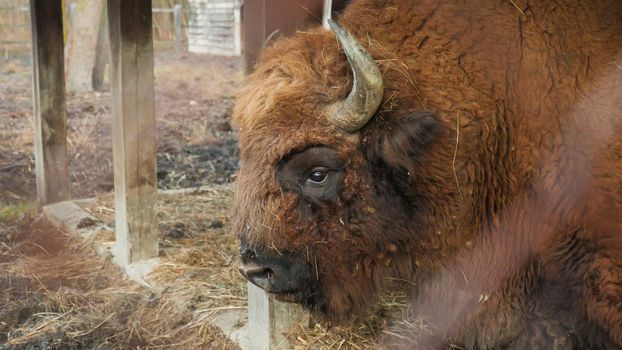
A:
318, 176
314, 172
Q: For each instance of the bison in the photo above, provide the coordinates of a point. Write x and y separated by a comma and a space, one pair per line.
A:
472, 148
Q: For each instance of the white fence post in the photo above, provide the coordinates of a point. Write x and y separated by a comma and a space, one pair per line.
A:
177, 24
271, 321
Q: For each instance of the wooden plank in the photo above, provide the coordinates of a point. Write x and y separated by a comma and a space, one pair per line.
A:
163, 10
177, 25
253, 32
131, 42
270, 322
50, 118
263, 17
102, 56
69, 217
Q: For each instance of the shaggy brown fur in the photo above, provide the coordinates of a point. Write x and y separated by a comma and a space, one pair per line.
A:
502, 201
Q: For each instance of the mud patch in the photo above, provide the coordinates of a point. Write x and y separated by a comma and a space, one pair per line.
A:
195, 166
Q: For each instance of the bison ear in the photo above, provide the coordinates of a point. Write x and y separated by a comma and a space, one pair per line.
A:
401, 142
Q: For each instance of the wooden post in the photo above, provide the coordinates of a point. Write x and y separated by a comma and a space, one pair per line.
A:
72, 14
237, 30
262, 17
271, 321
102, 53
131, 46
50, 118
177, 24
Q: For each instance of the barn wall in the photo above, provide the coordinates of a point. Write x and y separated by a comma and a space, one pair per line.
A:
214, 26
14, 27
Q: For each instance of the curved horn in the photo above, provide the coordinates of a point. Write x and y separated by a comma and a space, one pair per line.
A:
363, 101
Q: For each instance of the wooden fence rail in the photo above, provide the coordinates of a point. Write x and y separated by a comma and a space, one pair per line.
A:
20, 41
14, 29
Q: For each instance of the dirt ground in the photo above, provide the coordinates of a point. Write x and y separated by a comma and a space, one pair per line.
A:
195, 142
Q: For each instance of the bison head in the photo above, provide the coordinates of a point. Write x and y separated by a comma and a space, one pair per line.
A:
338, 188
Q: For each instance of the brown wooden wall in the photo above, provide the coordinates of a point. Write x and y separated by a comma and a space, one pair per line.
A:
262, 17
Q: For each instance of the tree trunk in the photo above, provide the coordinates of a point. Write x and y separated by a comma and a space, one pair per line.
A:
82, 43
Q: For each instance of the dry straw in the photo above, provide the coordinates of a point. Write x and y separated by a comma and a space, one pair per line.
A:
71, 298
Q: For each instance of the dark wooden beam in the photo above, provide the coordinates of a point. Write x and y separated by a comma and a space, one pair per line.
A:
260, 18
134, 150
50, 118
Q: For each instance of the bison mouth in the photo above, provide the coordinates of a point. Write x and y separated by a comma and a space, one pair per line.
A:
308, 296
309, 299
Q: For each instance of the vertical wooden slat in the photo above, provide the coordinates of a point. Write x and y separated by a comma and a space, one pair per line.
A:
258, 318
270, 321
237, 34
288, 16
50, 118
102, 53
262, 17
253, 31
134, 151
177, 25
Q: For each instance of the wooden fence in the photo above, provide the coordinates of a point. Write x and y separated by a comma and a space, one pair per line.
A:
14, 27
214, 27
15, 35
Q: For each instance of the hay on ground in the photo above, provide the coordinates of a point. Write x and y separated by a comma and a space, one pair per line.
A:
65, 296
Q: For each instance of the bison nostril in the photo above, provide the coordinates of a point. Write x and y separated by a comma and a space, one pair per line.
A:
254, 270
277, 274
257, 274
267, 273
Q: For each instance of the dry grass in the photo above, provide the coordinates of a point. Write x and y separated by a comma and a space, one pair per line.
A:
203, 262
386, 325
64, 297
75, 299
201, 87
